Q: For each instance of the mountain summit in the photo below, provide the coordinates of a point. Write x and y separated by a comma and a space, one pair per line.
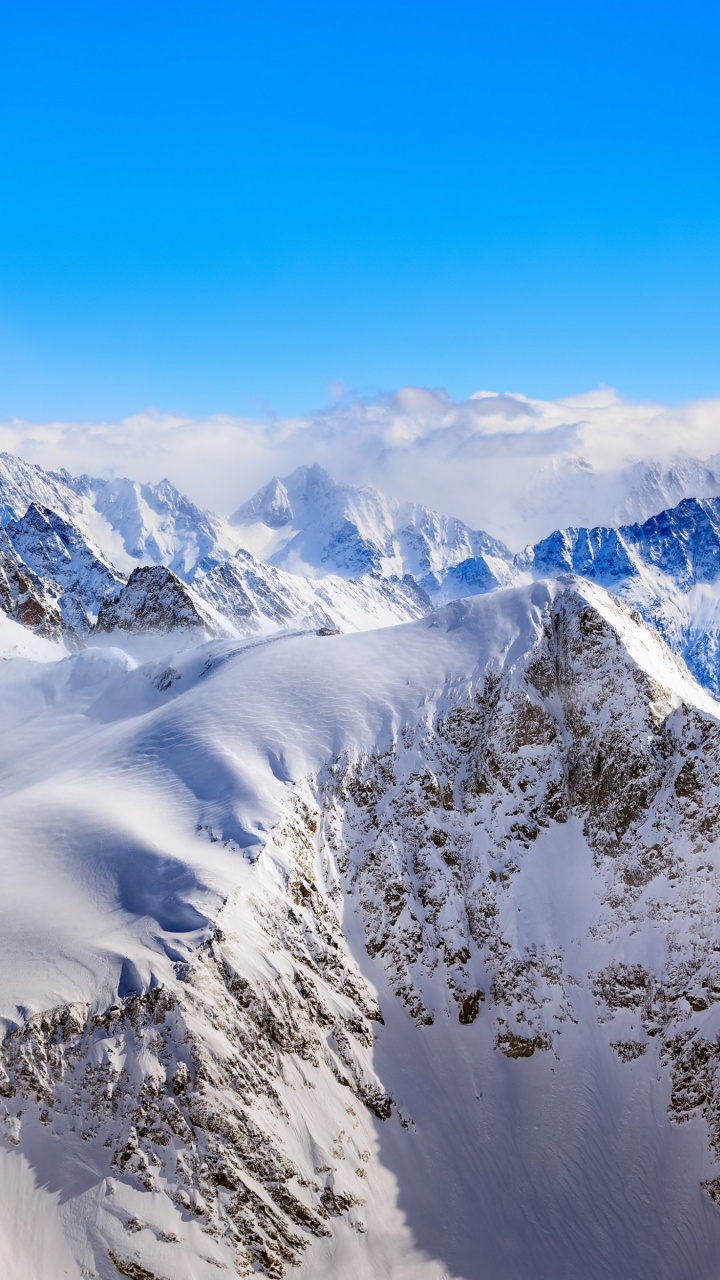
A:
309, 523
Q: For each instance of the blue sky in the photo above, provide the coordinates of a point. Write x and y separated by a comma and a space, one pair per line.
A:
227, 207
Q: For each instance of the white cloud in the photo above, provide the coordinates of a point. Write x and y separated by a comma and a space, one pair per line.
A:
501, 461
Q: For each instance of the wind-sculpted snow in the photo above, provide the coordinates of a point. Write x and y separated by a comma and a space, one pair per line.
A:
391, 953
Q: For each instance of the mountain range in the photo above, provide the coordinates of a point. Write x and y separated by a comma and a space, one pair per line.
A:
308, 553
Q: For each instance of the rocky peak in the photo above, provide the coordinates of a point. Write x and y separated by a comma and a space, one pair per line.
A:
604, 555
682, 542
153, 599
54, 549
23, 483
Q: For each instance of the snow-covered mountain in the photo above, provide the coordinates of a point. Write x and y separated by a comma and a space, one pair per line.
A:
389, 953
309, 524
60, 563
568, 490
668, 568
132, 524
384, 954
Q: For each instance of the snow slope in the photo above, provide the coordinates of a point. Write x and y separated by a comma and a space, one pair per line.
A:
16, 641
384, 954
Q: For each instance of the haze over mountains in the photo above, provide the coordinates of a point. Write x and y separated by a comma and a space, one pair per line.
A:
385, 953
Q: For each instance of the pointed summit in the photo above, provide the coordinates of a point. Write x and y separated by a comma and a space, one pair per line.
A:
270, 505
329, 527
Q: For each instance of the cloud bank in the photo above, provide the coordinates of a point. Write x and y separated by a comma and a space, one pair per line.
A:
513, 465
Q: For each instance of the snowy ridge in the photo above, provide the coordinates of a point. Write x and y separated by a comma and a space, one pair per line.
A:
368, 953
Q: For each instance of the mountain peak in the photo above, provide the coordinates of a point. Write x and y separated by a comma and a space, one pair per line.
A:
153, 599
310, 523
270, 506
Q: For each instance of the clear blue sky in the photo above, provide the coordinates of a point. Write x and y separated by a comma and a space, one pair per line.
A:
216, 206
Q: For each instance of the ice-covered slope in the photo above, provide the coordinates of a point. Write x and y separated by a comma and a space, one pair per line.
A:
16, 641
310, 524
389, 954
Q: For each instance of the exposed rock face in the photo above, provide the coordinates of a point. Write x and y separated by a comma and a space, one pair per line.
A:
24, 597
668, 568
153, 599
51, 578
434, 835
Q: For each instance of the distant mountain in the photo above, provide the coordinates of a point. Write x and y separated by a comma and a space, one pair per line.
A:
308, 523
62, 564
523, 499
682, 543
131, 523
308, 553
